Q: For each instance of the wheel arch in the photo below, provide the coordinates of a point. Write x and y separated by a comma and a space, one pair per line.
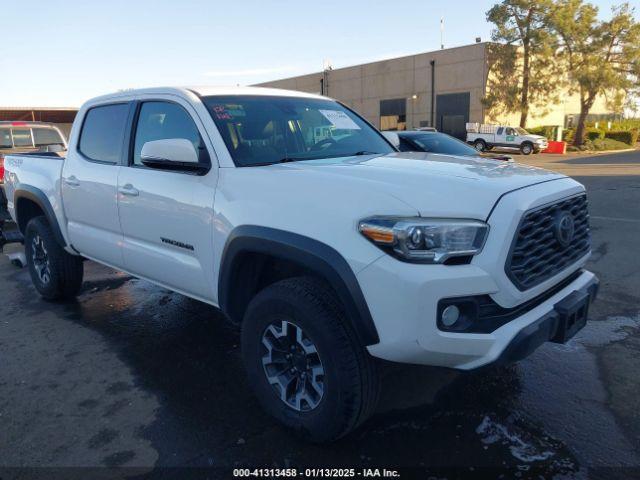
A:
31, 202
249, 246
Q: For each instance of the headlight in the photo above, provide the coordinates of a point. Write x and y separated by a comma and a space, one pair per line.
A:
541, 140
425, 240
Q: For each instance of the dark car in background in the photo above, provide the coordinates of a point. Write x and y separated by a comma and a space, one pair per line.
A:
437, 142
25, 137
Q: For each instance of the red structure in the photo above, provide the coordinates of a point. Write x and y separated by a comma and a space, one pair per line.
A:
556, 147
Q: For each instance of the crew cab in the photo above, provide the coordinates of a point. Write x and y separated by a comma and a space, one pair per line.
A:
486, 137
304, 225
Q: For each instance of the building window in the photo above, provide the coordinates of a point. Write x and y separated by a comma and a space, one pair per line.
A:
393, 114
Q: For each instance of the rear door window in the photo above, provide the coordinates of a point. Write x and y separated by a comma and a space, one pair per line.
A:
102, 133
22, 137
46, 136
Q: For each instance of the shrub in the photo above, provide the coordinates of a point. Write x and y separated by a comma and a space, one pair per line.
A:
598, 145
607, 144
536, 130
568, 135
628, 124
630, 137
547, 131
593, 134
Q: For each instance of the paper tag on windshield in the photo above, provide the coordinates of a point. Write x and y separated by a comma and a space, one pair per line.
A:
340, 119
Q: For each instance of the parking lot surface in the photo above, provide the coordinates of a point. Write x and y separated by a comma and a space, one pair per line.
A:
132, 375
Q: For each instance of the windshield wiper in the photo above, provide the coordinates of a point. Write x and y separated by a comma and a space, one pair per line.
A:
301, 159
362, 152
292, 159
282, 160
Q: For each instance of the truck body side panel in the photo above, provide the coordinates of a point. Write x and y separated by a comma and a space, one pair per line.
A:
26, 173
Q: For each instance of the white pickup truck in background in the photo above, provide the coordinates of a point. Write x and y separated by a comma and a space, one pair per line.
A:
485, 137
304, 225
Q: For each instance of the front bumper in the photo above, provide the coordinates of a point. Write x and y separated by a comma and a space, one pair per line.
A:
552, 327
405, 307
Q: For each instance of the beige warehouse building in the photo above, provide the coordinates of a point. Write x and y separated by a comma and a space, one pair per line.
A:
443, 88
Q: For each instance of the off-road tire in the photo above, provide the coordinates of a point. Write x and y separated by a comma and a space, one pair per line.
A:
65, 270
351, 381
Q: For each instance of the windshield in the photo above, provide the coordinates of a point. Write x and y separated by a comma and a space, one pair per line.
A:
521, 131
442, 143
261, 130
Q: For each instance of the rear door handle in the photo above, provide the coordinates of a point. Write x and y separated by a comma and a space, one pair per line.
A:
129, 190
72, 181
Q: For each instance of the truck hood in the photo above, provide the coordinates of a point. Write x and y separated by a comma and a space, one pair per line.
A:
432, 184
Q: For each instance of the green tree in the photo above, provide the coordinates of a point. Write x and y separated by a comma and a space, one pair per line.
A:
524, 70
502, 93
602, 57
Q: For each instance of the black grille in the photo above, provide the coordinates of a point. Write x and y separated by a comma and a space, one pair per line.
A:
537, 254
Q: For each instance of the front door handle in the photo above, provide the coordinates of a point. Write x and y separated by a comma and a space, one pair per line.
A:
129, 190
72, 181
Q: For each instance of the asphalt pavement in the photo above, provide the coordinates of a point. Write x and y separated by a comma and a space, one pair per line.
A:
134, 376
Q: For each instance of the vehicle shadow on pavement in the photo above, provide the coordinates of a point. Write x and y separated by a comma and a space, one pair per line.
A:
186, 355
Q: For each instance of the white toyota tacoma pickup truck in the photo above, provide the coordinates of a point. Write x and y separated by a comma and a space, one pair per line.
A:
304, 225
486, 137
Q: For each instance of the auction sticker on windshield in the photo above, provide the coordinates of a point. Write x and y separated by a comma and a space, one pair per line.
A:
340, 120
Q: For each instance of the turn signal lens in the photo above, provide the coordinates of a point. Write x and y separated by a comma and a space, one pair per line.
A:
377, 235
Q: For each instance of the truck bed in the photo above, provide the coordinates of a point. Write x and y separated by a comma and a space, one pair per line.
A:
40, 169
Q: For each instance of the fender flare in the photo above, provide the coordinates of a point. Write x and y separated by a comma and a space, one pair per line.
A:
313, 255
38, 197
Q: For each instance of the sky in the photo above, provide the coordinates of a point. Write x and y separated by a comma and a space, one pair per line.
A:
60, 53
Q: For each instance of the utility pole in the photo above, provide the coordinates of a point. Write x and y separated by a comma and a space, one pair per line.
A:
441, 33
324, 81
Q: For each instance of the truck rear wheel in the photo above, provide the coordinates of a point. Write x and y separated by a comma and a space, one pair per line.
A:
304, 362
480, 145
55, 273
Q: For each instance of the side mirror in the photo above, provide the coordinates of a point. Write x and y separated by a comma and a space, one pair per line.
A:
393, 138
171, 154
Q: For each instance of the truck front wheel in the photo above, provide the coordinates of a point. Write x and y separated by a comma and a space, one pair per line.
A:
305, 363
526, 148
55, 273
480, 145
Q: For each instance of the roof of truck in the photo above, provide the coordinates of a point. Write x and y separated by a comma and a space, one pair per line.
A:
204, 91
